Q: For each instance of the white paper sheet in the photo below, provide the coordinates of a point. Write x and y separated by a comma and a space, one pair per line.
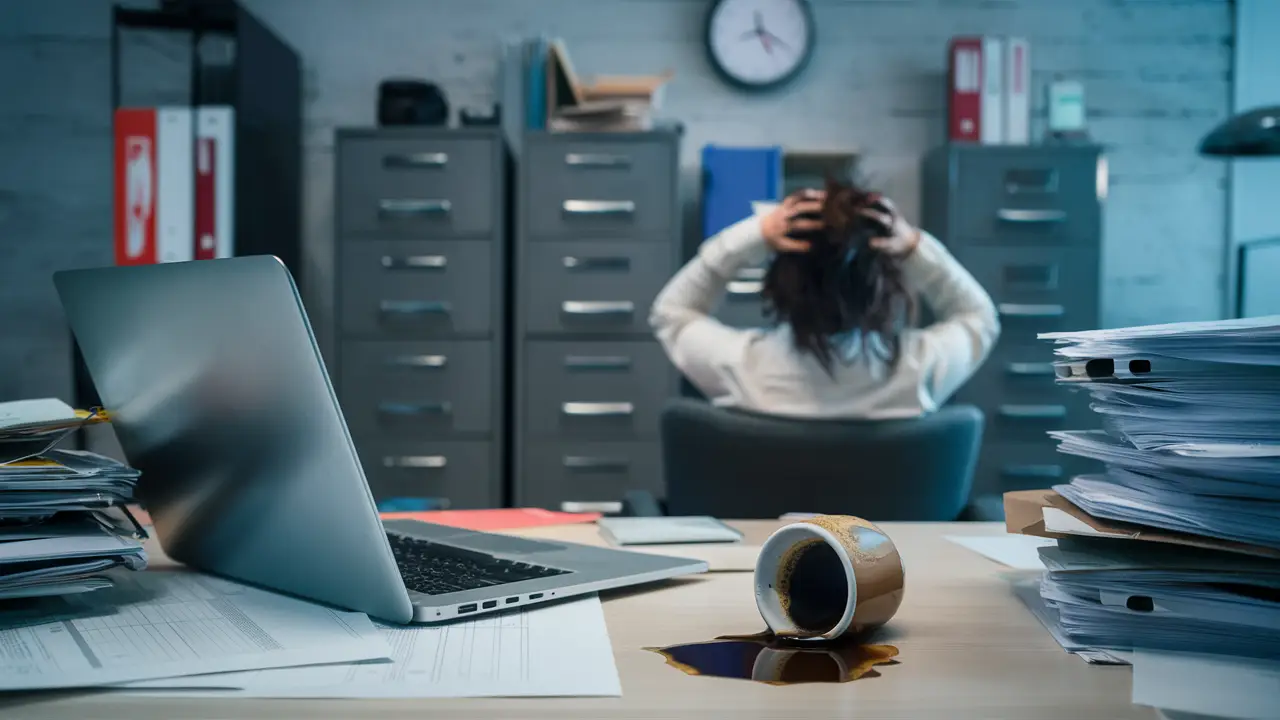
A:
1218, 686
558, 650
161, 624
1020, 552
719, 557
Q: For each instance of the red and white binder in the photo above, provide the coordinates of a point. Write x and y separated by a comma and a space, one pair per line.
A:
214, 209
964, 96
1017, 86
173, 184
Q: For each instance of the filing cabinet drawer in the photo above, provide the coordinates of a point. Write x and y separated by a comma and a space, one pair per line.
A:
418, 288
402, 187
1012, 465
1029, 197
600, 188
579, 287
1037, 289
460, 472
743, 305
418, 389
596, 389
589, 472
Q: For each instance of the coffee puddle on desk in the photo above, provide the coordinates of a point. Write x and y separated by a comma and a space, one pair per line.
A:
768, 659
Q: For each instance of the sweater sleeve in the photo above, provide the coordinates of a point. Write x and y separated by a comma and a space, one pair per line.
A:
705, 350
967, 326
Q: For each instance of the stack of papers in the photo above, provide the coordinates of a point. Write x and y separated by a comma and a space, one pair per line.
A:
62, 516
1192, 461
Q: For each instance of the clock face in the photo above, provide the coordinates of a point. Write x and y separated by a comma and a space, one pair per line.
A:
760, 44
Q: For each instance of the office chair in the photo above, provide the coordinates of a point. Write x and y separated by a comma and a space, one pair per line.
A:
735, 464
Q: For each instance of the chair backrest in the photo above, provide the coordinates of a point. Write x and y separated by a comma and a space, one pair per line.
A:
735, 464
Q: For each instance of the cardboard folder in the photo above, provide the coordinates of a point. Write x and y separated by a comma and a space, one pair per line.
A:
1045, 513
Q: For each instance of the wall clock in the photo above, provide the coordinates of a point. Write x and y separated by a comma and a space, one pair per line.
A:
759, 44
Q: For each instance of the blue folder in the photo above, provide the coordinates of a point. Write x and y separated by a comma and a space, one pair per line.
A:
735, 177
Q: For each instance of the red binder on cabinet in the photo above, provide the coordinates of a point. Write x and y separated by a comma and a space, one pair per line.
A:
975, 97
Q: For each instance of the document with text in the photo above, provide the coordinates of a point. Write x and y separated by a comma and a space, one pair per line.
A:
161, 624
560, 650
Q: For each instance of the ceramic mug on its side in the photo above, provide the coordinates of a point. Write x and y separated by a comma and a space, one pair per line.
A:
828, 576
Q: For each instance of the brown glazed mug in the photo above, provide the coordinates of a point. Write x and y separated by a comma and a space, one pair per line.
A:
828, 576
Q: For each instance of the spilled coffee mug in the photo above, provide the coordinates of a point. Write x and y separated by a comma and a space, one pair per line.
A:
828, 576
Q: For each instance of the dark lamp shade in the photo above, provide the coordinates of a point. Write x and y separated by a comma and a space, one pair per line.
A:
1250, 134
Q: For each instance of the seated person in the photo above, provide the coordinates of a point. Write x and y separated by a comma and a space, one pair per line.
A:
842, 288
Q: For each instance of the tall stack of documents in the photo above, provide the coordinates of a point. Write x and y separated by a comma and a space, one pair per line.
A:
1185, 519
63, 523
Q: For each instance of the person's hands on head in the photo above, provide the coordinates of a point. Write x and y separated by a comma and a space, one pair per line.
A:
903, 237
788, 219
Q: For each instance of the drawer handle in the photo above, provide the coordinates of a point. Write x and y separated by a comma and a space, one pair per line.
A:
415, 262
597, 263
416, 160
415, 461
1036, 412
1031, 216
603, 362
1029, 368
583, 462
414, 307
745, 287
418, 361
405, 409
579, 506
597, 409
599, 207
600, 307
596, 160
751, 274
414, 207
1031, 311
1032, 471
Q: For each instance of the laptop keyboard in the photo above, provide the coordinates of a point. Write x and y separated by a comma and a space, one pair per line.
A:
435, 569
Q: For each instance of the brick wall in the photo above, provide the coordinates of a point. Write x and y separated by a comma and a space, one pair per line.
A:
1157, 75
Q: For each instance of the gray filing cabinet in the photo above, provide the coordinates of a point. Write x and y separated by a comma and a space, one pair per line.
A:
1027, 223
598, 236
421, 262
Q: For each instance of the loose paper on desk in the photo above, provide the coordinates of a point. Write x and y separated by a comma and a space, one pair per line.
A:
1020, 552
164, 623
1216, 685
558, 650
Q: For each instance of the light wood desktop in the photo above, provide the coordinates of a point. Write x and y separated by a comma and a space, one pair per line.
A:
969, 649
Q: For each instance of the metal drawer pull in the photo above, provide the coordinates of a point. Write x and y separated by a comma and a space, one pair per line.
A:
415, 207
431, 408
602, 307
416, 160
418, 361
596, 160
581, 462
597, 263
1037, 412
414, 307
1032, 471
597, 409
751, 274
745, 287
1031, 216
415, 262
415, 461
1029, 368
599, 207
603, 362
1018, 310
605, 508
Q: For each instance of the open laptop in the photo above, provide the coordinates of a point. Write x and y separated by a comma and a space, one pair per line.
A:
219, 395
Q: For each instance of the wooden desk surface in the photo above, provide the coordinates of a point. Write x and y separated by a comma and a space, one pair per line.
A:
969, 649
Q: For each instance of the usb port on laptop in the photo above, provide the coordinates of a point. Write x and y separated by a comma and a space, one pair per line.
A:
468, 608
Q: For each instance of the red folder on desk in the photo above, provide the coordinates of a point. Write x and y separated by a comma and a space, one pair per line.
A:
498, 519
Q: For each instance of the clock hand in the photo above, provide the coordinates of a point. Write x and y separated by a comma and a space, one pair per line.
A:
777, 40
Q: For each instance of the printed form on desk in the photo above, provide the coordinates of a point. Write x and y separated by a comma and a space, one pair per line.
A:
560, 650
161, 624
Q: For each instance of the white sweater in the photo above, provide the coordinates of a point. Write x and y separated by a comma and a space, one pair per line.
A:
760, 369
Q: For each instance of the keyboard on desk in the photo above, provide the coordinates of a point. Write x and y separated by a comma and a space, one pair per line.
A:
435, 569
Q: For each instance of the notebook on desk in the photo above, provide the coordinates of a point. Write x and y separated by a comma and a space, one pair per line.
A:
666, 530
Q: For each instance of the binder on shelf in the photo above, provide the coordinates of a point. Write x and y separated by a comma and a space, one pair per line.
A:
1017, 89
991, 125
215, 183
964, 96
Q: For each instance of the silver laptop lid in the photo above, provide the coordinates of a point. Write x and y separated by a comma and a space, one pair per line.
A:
218, 394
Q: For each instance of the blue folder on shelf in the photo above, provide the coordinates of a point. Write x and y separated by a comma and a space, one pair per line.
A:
735, 177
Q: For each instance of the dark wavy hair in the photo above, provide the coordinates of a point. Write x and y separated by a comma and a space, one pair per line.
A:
841, 283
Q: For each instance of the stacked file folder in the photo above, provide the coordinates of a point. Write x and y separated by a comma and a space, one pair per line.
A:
63, 520
1176, 545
